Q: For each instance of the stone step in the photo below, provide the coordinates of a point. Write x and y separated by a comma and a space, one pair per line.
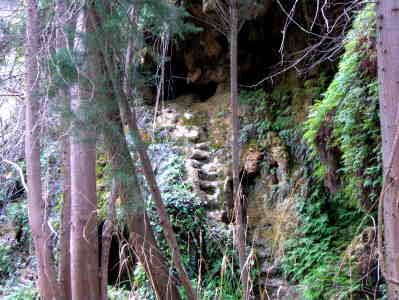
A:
208, 187
202, 146
196, 164
208, 176
200, 155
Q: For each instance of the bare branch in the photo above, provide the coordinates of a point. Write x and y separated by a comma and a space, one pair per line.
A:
20, 172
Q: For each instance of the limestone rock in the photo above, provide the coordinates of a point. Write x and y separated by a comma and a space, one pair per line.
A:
274, 188
168, 117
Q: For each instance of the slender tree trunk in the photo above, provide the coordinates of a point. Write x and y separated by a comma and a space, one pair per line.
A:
85, 281
129, 118
156, 195
240, 235
124, 172
47, 282
141, 235
388, 75
108, 230
64, 269
146, 249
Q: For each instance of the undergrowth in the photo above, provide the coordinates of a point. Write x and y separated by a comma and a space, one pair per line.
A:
273, 112
351, 101
21, 292
343, 125
207, 249
314, 258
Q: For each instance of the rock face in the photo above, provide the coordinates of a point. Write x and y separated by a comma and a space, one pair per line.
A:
271, 188
200, 123
191, 124
200, 62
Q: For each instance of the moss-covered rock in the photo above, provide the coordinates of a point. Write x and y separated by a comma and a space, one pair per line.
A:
343, 127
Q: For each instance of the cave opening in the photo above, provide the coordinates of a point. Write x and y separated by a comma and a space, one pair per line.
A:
204, 91
176, 84
200, 63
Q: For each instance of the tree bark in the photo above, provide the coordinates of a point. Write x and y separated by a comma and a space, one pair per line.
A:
108, 230
64, 268
84, 244
170, 236
141, 235
239, 230
85, 281
388, 74
41, 234
129, 118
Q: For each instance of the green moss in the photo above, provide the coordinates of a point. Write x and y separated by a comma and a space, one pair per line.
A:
352, 101
346, 117
103, 177
281, 112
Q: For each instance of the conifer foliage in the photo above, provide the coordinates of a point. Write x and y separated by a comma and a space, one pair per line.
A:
92, 75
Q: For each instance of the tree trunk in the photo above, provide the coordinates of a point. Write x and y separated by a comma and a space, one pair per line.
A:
239, 230
388, 74
41, 234
141, 235
123, 168
108, 230
64, 268
84, 244
85, 281
144, 245
129, 118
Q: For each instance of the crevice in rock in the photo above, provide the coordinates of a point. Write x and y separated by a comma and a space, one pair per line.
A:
248, 181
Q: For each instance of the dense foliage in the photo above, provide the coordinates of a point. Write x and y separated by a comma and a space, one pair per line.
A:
342, 126
344, 166
346, 118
